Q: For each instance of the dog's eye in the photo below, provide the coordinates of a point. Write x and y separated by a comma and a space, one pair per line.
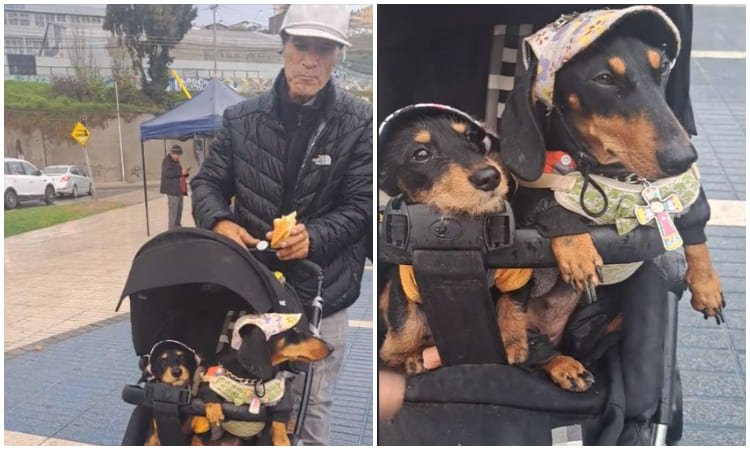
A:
421, 155
604, 78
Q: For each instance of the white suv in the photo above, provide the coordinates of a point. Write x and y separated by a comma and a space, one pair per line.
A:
23, 181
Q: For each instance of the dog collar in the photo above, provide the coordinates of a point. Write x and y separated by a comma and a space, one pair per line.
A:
270, 323
560, 41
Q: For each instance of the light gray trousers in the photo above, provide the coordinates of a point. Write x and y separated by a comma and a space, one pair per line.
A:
174, 203
317, 427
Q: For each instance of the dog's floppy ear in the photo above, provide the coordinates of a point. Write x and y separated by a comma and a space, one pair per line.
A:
309, 349
522, 145
387, 183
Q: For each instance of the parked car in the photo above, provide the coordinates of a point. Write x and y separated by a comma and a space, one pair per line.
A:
69, 180
23, 182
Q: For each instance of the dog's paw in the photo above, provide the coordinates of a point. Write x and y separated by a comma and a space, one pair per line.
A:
414, 364
279, 436
214, 414
517, 351
512, 322
569, 374
579, 262
707, 296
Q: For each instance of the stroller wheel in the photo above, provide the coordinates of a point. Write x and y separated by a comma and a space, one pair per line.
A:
674, 433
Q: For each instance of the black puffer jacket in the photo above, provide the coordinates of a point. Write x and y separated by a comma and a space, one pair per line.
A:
333, 194
171, 172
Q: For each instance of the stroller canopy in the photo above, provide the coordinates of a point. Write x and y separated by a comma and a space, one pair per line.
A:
183, 282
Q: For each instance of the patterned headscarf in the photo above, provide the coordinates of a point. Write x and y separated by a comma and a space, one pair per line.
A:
270, 323
558, 42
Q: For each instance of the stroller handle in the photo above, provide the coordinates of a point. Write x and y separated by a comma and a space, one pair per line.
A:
136, 395
304, 264
404, 228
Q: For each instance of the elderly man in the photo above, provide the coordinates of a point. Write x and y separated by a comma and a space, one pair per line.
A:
173, 184
303, 146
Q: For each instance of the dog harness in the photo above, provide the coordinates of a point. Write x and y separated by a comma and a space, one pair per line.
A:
245, 392
560, 41
506, 280
628, 205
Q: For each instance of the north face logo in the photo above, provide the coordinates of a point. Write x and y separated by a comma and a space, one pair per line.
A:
322, 160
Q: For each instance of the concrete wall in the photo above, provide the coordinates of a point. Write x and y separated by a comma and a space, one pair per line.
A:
44, 141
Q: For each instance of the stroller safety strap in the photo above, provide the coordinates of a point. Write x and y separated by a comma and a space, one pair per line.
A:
166, 402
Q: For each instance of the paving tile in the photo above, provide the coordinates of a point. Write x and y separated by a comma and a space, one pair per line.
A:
713, 338
713, 412
714, 436
712, 384
720, 360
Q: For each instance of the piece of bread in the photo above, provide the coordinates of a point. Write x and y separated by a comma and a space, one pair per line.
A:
282, 228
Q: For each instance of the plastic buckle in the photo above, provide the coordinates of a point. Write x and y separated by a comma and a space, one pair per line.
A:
160, 392
500, 229
396, 223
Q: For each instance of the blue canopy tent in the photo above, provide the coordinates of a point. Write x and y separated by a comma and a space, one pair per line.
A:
199, 116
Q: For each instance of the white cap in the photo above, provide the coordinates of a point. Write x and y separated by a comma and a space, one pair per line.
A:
320, 21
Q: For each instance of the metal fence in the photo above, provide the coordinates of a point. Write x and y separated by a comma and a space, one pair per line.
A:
247, 82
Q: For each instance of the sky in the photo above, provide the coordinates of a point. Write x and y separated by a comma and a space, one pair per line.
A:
233, 13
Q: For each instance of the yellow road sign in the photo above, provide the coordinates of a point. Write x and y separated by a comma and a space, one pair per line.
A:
81, 134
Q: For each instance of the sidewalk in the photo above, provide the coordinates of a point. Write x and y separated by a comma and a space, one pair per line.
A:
68, 353
712, 358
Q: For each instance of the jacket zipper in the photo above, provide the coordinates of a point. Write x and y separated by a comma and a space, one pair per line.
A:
308, 152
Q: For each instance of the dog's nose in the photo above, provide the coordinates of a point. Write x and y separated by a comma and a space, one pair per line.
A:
486, 178
177, 372
674, 160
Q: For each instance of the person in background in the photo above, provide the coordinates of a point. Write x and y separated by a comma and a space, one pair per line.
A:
305, 146
174, 185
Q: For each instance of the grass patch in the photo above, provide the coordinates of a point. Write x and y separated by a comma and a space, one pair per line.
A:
33, 218
32, 96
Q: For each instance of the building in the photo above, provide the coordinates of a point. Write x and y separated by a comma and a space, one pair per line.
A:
43, 41
46, 41
361, 21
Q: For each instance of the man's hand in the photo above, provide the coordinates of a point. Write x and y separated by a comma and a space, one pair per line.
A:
235, 233
296, 246
391, 389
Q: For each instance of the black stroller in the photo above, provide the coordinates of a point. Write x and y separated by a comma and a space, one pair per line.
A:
475, 399
184, 285
439, 54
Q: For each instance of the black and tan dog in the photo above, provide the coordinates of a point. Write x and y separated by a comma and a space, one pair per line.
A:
172, 363
602, 100
250, 371
440, 157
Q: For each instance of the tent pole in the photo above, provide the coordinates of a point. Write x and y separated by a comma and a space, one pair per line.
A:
165, 147
145, 194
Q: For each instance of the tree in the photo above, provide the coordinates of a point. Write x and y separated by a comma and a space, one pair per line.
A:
150, 31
